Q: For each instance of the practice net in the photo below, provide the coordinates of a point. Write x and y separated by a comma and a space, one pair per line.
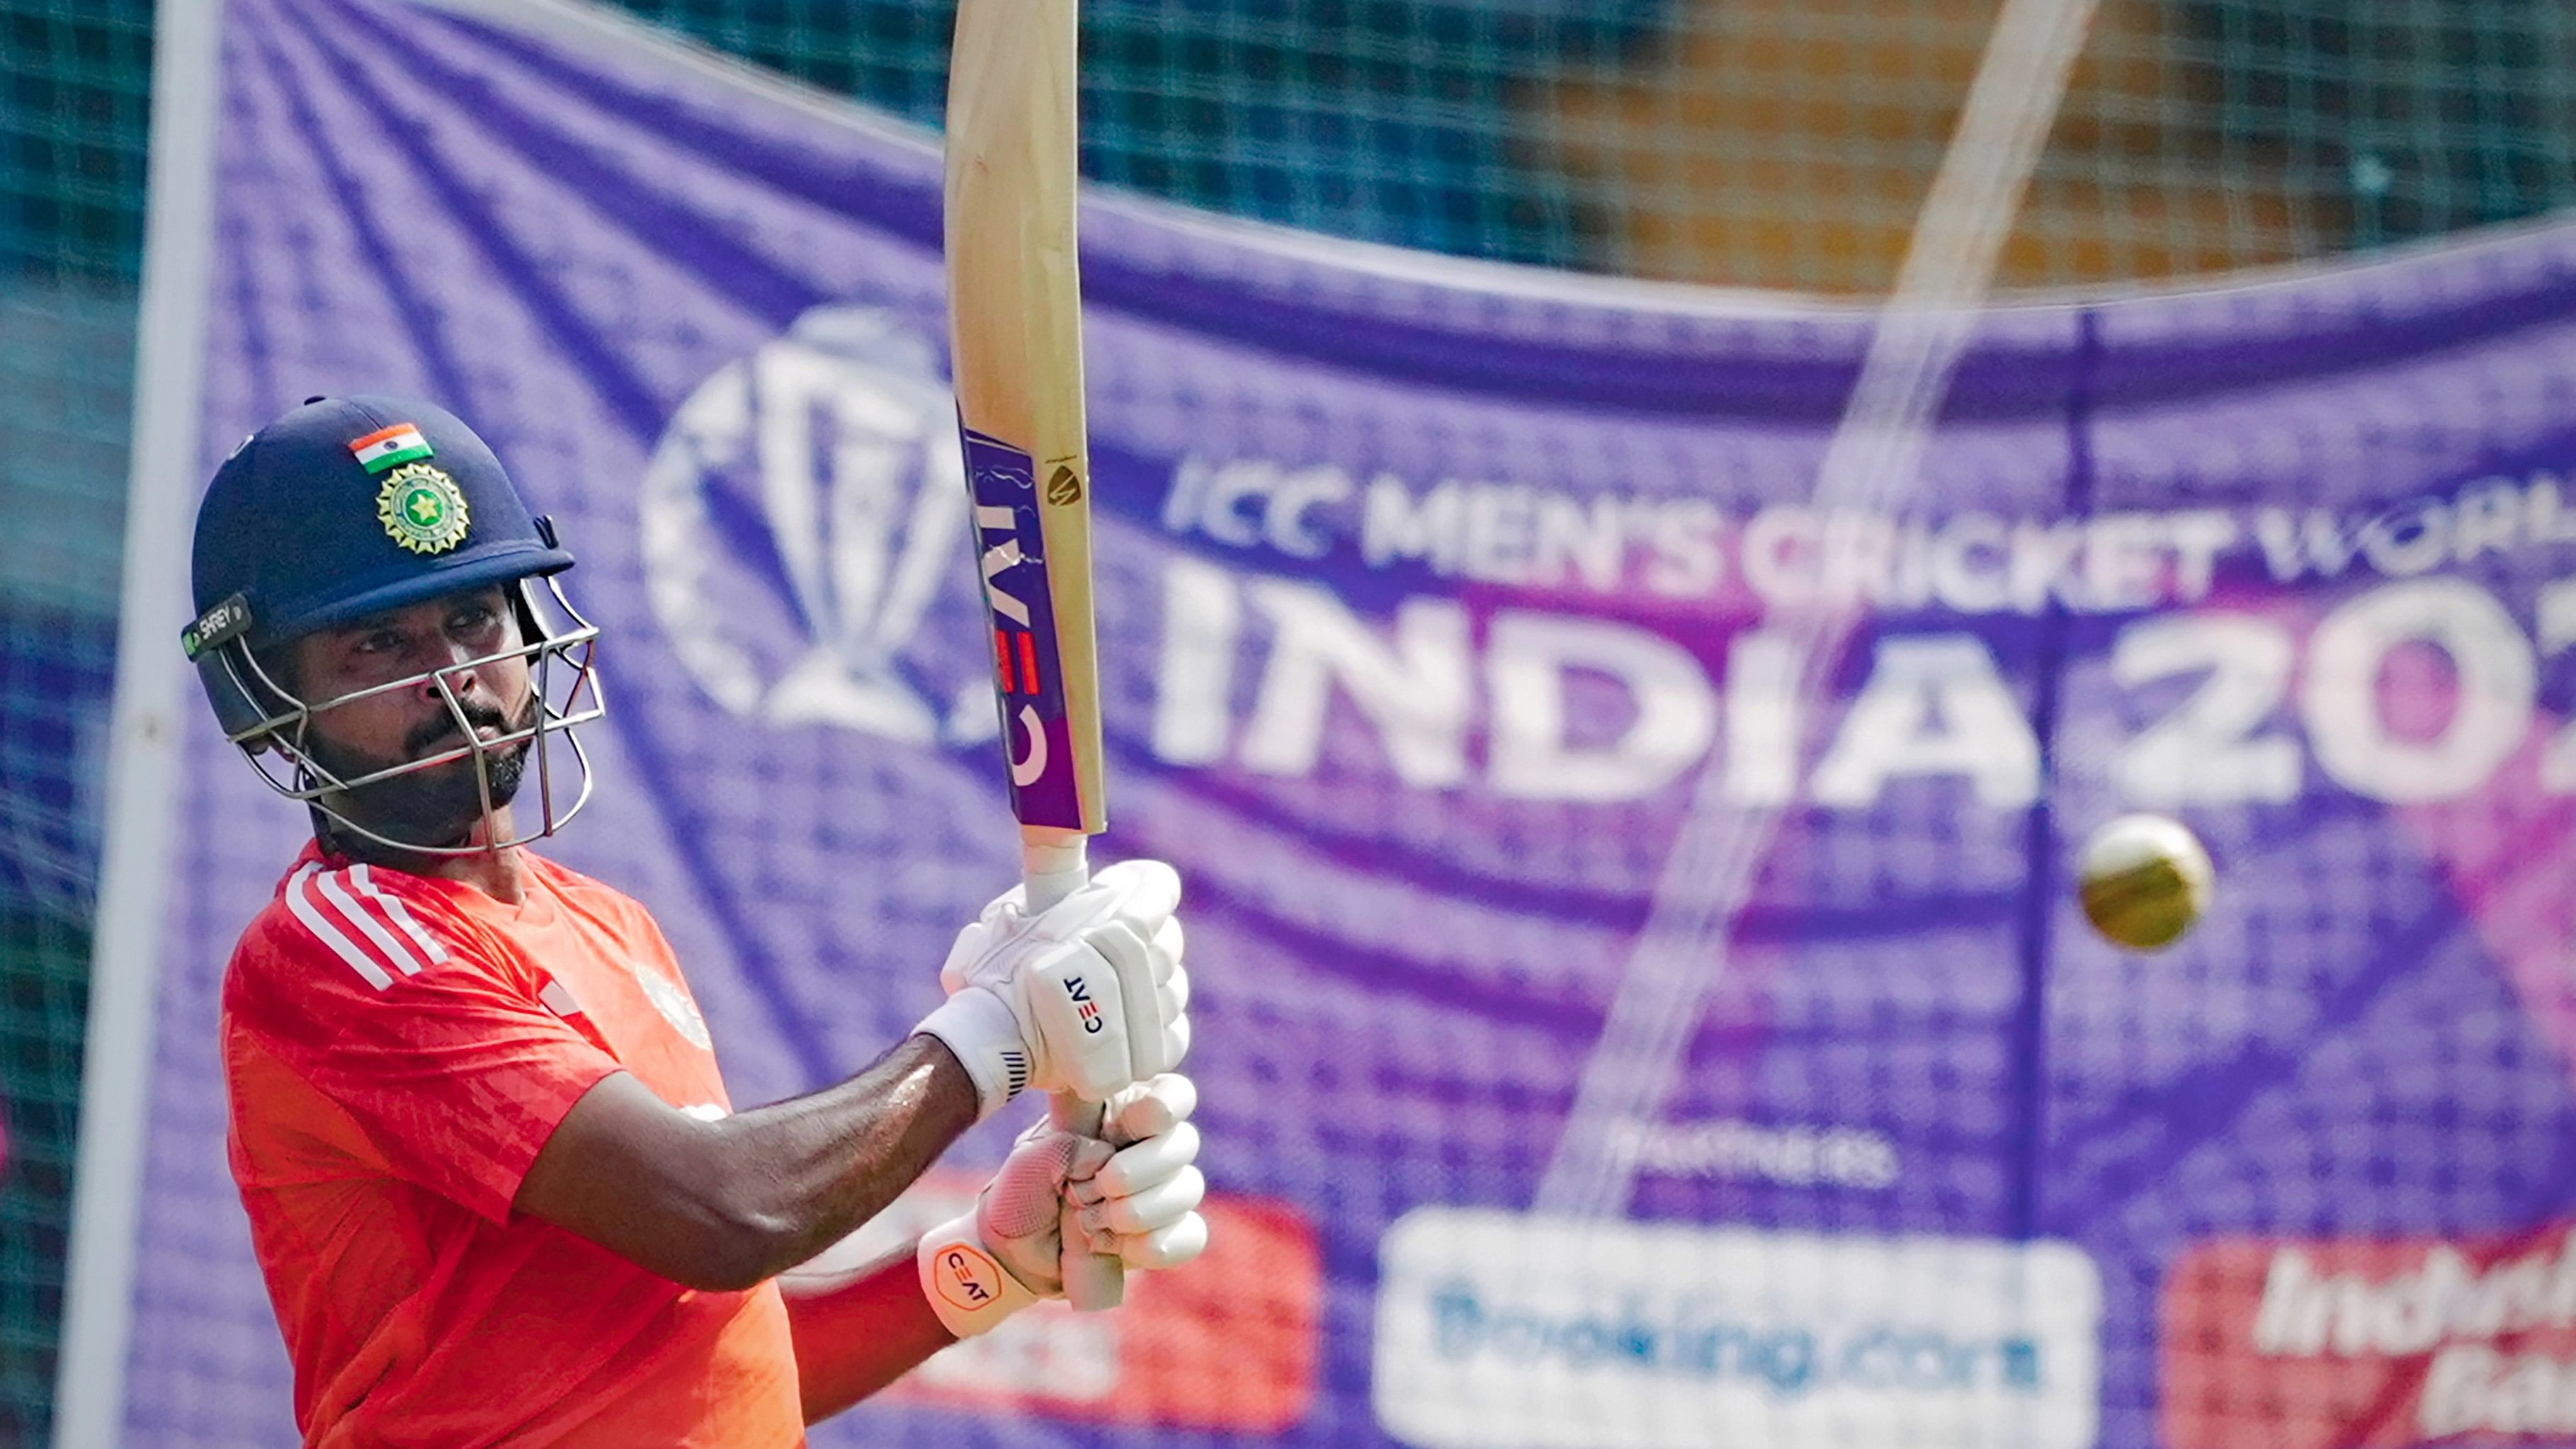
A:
73, 101
1757, 144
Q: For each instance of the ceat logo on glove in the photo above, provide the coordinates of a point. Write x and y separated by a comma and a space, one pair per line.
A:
967, 1278
1231, 1342
1084, 1006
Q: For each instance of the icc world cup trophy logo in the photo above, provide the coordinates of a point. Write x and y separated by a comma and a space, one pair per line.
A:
800, 516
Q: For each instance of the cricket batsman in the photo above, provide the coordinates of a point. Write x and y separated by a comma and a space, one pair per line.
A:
496, 1186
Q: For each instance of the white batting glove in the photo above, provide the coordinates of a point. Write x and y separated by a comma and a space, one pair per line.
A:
1139, 1201
1142, 1204
1004, 1255
1086, 997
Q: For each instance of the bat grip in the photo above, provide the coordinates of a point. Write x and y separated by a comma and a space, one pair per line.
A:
1053, 865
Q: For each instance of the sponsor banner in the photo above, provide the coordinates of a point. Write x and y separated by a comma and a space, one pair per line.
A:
2360, 1343
1499, 1331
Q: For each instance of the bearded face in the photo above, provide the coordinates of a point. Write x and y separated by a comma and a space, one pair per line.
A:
439, 805
412, 673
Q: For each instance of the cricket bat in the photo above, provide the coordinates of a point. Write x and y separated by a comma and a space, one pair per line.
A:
1015, 310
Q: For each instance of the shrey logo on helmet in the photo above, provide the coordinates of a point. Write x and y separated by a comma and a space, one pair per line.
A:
346, 510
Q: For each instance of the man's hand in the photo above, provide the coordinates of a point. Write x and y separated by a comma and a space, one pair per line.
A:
1142, 1204
1139, 1200
1086, 997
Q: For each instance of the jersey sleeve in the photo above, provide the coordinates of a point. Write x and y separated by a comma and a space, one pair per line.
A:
439, 1047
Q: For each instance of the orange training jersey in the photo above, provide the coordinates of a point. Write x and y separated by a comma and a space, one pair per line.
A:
398, 1048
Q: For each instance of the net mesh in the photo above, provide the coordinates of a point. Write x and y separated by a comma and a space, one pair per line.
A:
73, 96
1771, 143
1758, 143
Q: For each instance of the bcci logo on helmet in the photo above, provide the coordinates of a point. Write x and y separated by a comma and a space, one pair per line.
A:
422, 508
802, 520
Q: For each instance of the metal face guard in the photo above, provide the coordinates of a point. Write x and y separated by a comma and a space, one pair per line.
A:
565, 680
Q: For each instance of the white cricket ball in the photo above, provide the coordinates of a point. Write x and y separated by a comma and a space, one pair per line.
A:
2144, 880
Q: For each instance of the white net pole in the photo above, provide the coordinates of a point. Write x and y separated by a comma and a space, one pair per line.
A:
144, 730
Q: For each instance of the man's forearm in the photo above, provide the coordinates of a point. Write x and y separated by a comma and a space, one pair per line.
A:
812, 1169
855, 1338
727, 1204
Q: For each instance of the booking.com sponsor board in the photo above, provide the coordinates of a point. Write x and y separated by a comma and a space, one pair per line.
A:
1429, 597
1500, 1331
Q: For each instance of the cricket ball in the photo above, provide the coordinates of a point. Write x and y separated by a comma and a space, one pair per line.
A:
2145, 880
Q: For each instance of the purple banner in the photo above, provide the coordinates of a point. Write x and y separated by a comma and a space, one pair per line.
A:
1448, 647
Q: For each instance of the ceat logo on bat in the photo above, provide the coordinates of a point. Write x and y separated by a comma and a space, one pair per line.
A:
2354, 1343
1019, 600
1229, 1343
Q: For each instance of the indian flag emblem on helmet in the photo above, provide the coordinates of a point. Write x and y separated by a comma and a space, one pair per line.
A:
422, 508
390, 447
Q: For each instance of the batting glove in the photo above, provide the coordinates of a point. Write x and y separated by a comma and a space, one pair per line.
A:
1086, 997
1142, 1204
1138, 1199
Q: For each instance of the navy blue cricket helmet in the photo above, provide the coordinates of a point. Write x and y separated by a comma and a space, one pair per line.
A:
348, 508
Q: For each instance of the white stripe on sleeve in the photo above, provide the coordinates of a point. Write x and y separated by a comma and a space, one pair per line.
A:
432, 949
373, 923
330, 935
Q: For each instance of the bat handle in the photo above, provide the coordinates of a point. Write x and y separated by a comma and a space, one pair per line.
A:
1053, 865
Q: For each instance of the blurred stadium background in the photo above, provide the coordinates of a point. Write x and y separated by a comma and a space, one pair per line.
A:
1772, 144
